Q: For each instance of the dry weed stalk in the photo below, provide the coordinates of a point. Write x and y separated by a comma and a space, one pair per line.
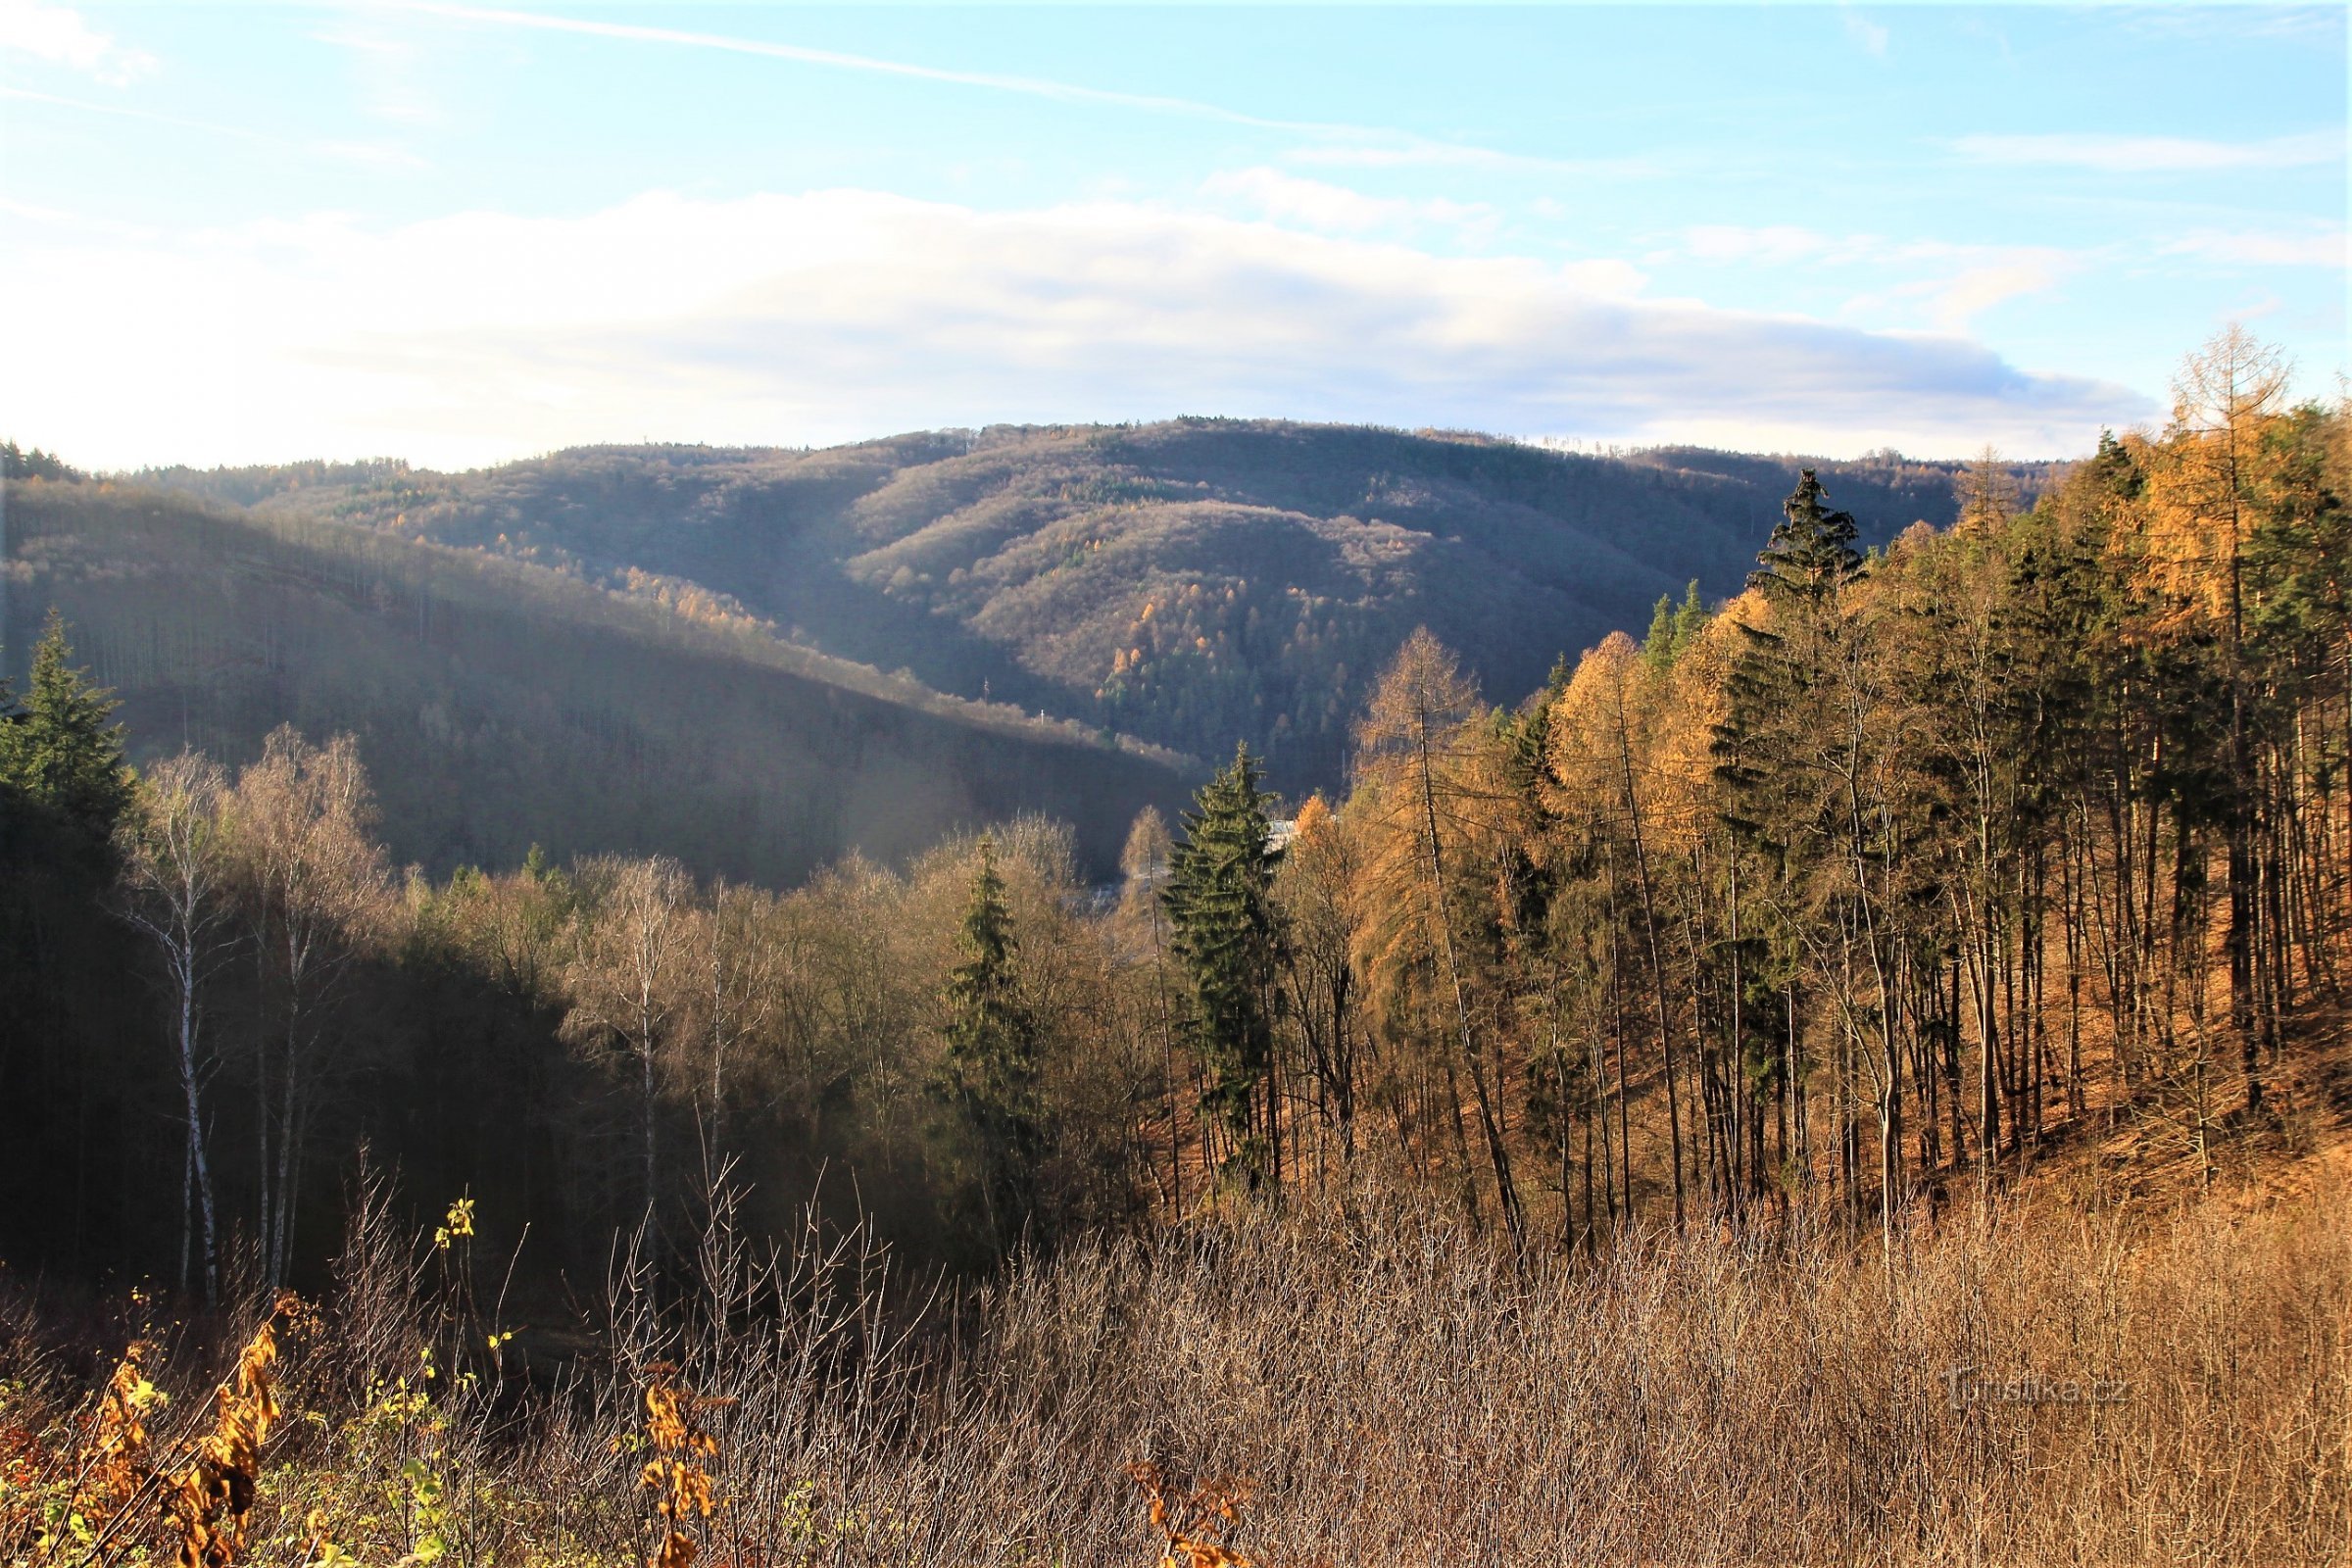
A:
1219, 1501
675, 1475
210, 1503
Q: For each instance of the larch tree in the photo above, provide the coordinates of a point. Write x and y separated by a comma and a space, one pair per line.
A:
2205, 498
1411, 733
1321, 889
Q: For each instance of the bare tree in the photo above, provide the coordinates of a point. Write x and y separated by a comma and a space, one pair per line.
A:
1145, 861
319, 894
624, 979
739, 994
174, 887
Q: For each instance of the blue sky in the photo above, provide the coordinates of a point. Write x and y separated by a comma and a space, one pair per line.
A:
462, 233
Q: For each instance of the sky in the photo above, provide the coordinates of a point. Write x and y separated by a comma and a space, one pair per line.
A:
466, 234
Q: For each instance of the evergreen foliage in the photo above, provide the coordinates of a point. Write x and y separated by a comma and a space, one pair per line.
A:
61, 754
992, 1052
1220, 879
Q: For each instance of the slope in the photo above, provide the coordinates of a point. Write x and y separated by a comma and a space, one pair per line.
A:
499, 703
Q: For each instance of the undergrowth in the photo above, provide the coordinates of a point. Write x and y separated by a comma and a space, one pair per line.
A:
2040, 1384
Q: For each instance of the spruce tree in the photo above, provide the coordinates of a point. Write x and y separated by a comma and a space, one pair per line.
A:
993, 1052
1219, 903
62, 757
1811, 553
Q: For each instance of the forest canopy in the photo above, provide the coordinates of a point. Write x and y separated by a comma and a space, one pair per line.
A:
1863, 887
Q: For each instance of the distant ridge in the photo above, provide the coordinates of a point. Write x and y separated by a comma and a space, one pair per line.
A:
1192, 584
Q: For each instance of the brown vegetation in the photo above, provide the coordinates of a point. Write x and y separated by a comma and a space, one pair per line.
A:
2057, 1380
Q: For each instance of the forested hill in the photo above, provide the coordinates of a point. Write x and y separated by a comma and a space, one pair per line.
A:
498, 704
1190, 583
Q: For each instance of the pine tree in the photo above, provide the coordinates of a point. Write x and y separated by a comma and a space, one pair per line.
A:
1219, 903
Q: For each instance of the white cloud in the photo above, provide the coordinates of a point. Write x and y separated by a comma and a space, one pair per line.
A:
58, 34
1604, 277
2144, 155
846, 313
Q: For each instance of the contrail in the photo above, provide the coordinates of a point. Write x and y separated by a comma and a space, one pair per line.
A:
1031, 86
1371, 144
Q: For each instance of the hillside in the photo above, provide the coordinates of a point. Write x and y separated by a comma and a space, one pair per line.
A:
1190, 583
500, 704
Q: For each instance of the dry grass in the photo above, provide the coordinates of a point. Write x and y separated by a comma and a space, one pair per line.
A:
1391, 1390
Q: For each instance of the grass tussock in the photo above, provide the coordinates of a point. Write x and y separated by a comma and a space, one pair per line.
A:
2042, 1385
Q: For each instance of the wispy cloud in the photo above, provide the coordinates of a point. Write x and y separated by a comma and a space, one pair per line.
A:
1952, 303
60, 35
150, 116
87, 223
2315, 248
1399, 151
847, 314
2232, 23
380, 156
1316, 203
2151, 155
1868, 35
389, 71
1960, 281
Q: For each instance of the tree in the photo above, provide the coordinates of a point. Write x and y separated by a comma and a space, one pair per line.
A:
1219, 900
174, 889
740, 990
624, 980
992, 1056
63, 758
1415, 723
1673, 628
2207, 495
1320, 888
1144, 860
1602, 714
316, 888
